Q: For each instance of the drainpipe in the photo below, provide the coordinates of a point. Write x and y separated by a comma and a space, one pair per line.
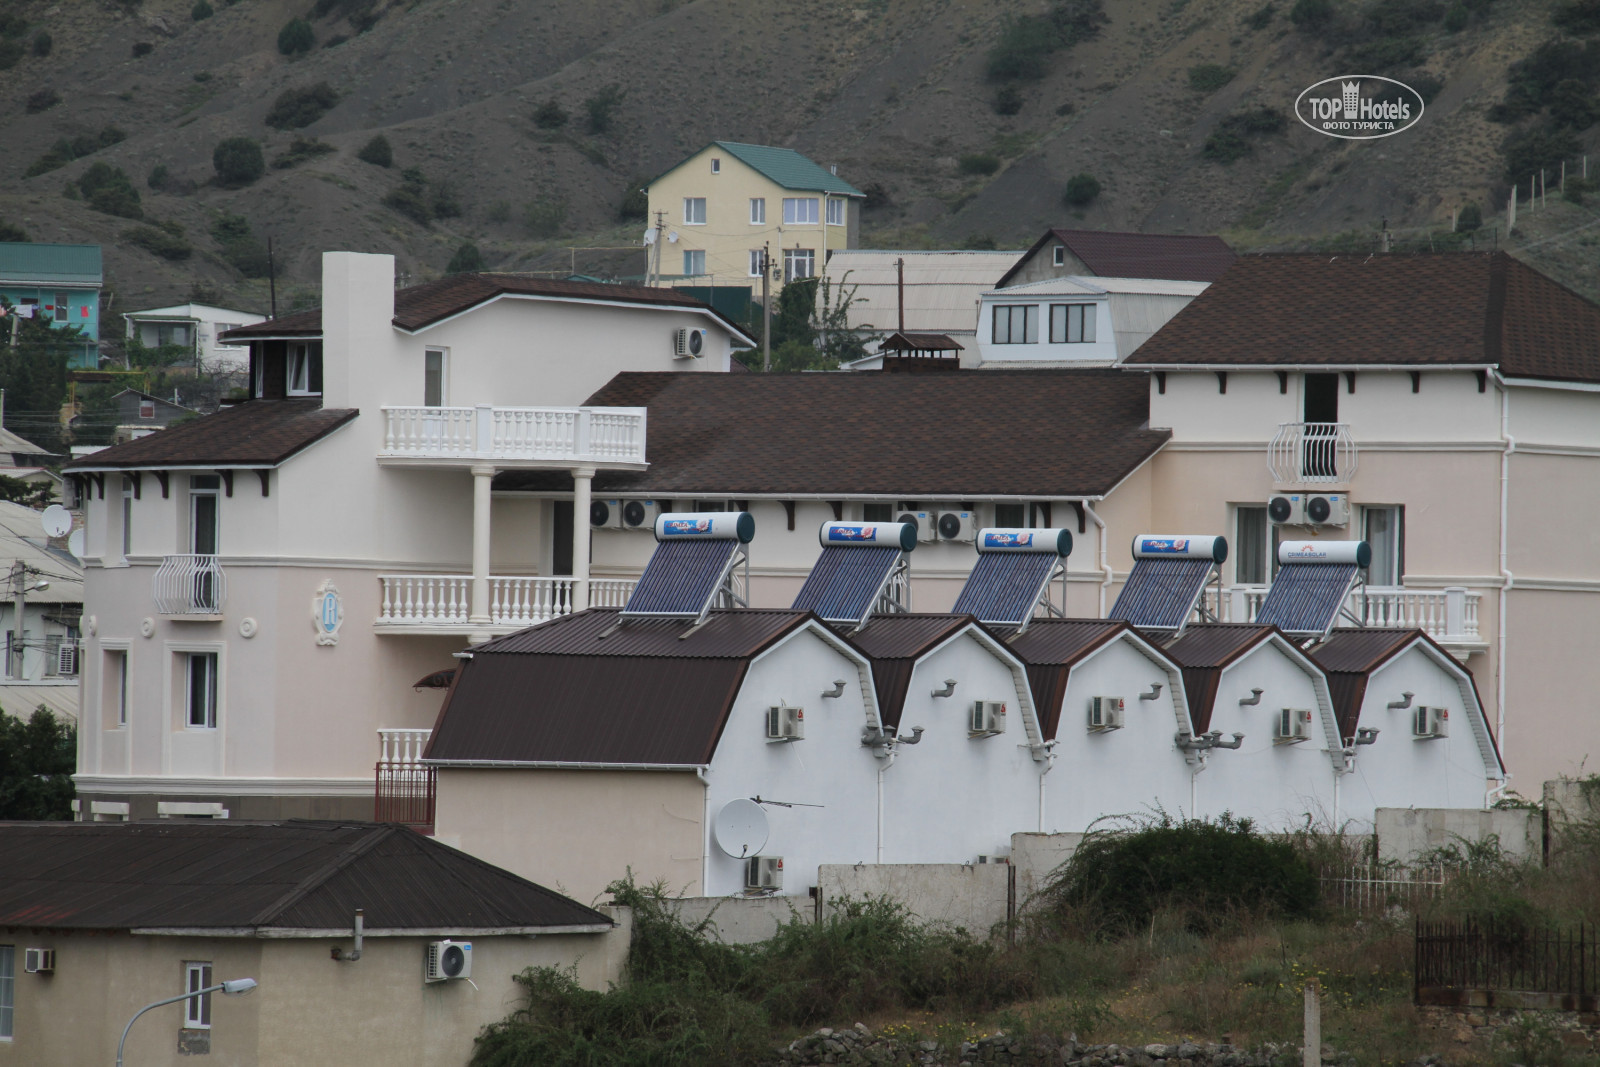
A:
1049, 765
705, 830
360, 928
885, 764
1105, 564
1507, 579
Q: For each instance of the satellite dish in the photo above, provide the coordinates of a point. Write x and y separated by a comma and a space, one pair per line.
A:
75, 543
57, 521
649, 237
673, 236
741, 828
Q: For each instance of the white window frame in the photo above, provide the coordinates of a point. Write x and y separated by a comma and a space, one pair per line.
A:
694, 262
794, 258
298, 359
1061, 255
694, 211
127, 516
758, 211
756, 255
117, 653
1007, 313
1393, 543
8, 991
197, 1010
205, 485
836, 207
799, 211
1072, 319
444, 375
716, 165
209, 713
1269, 544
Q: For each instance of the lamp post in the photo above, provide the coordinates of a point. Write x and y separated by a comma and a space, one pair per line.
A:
232, 988
20, 590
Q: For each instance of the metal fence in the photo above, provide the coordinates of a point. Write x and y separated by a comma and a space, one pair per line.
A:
406, 793
1468, 963
1371, 887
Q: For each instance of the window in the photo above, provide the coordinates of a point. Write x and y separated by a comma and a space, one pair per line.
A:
799, 263
1061, 255
61, 307
756, 258
716, 165
1016, 324
147, 409
1384, 530
1009, 516
203, 517
305, 369
836, 212
694, 211
800, 210
433, 378
1072, 323
877, 512
1255, 546
758, 211
116, 686
197, 1010
694, 261
202, 690
8, 987
127, 516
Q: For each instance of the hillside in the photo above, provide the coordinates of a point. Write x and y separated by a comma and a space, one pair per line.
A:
893, 91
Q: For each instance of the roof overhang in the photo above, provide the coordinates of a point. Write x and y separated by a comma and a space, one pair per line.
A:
284, 933
693, 309
555, 765
1309, 368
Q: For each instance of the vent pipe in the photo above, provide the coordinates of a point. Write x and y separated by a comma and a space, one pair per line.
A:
360, 928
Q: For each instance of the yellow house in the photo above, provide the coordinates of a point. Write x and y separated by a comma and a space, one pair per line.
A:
716, 214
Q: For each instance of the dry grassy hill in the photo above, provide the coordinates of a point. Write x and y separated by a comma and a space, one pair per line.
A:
893, 91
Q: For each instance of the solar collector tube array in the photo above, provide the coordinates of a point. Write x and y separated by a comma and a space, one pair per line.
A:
1013, 571
691, 564
1314, 579
1168, 579
857, 562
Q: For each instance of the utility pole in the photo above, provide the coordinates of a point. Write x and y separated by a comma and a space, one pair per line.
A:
900, 290
652, 274
272, 279
766, 308
1386, 235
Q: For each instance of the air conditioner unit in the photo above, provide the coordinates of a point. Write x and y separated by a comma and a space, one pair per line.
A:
448, 960
39, 960
67, 660
1105, 713
988, 717
764, 872
1328, 509
605, 513
1430, 722
639, 514
958, 526
688, 344
785, 723
1294, 724
926, 521
1287, 509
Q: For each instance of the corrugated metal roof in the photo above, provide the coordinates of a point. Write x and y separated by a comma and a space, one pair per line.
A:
894, 643
1348, 657
229, 874
22, 537
21, 701
24, 263
1140, 255
788, 168
1050, 648
1203, 651
942, 289
724, 635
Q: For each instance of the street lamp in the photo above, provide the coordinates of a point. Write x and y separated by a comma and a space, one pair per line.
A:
233, 987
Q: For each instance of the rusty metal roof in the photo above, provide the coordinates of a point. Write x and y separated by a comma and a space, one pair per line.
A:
250, 876
582, 689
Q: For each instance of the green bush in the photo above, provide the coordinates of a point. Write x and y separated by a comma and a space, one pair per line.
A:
37, 759
1210, 873
377, 152
1455, 20
979, 163
142, 49
300, 150
1081, 189
10, 53
42, 43
1541, 148
1578, 16
1531, 82
42, 100
1385, 53
107, 189
297, 108
1311, 14
1008, 101
550, 115
1231, 140
200, 11
466, 260
158, 177
601, 108
1026, 43
238, 161
12, 24
544, 217
635, 206
9, 232
410, 197
161, 242
296, 37
1209, 77
1260, 18
1572, 104
444, 202
1469, 218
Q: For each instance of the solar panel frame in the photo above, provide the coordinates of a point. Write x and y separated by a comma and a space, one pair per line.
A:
1306, 598
1162, 593
683, 579
1004, 588
847, 582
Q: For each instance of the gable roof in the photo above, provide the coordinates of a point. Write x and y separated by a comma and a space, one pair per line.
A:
582, 690
256, 433
782, 166
28, 263
1204, 651
1177, 257
1051, 648
909, 436
247, 877
1460, 309
894, 643
420, 306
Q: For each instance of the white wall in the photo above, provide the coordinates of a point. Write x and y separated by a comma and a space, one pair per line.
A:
1102, 350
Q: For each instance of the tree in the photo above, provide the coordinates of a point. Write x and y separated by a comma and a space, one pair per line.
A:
635, 205
1081, 190
602, 107
301, 106
466, 260
33, 372
33, 494
238, 161
37, 759
296, 37
377, 152
108, 190
1469, 219
1311, 14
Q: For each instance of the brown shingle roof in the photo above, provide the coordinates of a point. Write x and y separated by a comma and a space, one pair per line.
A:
996, 433
1204, 651
1176, 257
1050, 648
570, 692
1460, 308
231, 874
257, 433
423, 305
894, 643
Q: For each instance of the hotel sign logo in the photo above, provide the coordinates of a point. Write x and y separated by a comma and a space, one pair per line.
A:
1359, 107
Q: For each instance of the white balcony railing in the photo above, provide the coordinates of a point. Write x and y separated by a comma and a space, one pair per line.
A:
1312, 453
1447, 615
601, 436
190, 585
444, 600
402, 746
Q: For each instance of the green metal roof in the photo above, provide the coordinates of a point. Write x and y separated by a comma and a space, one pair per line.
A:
22, 263
784, 166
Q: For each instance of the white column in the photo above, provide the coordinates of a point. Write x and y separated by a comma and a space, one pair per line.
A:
581, 482
478, 606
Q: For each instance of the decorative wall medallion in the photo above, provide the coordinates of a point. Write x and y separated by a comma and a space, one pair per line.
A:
247, 627
91, 625
327, 613
147, 626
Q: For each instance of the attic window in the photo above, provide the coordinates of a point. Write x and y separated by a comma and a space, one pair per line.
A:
1061, 255
716, 165
147, 409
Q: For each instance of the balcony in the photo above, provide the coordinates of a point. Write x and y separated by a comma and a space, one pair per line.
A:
612, 438
1449, 616
439, 603
405, 790
191, 587
1312, 453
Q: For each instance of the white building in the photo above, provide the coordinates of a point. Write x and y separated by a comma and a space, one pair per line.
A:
42, 656
197, 327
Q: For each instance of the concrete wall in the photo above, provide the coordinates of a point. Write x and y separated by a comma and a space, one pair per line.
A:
1406, 833
975, 897
1036, 858
742, 920
308, 1008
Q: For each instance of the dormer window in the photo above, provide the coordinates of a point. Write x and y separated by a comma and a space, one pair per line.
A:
1072, 324
304, 370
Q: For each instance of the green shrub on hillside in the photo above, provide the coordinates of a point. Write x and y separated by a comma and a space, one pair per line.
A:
635, 206
239, 246
10, 53
1578, 16
377, 152
466, 260
161, 241
550, 115
601, 108
158, 177
1231, 140
296, 37
1026, 43
1573, 104
979, 163
1008, 101
297, 108
1542, 148
1455, 20
1081, 190
1209, 77
1469, 218
238, 161
200, 11
1260, 18
544, 217
42, 100
12, 24
9, 232
142, 49
42, 43
1311, 14
300, 150
107, 189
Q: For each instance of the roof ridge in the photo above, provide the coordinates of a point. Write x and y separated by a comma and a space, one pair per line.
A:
320, 877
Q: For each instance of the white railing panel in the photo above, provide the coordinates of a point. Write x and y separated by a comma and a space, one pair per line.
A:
190, 585
402, 746
537, 434
1443, 614
424, 599
1312, 453
433, 600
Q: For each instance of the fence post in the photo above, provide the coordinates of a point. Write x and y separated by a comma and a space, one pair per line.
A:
1311, 1054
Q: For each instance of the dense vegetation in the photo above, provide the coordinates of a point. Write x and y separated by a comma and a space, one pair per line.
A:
37, 758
